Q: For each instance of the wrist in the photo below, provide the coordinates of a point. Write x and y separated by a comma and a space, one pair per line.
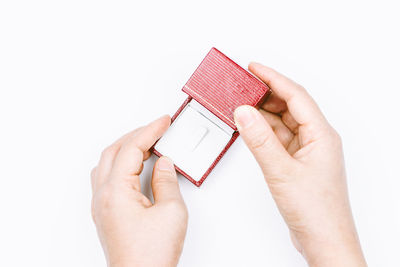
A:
142, 260
326, 253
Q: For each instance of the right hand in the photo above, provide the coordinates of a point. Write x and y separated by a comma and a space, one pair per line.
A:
301, 157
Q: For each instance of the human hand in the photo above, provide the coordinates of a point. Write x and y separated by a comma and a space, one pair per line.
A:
301, 157
132, 230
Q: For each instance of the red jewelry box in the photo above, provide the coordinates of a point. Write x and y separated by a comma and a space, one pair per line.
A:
215, 90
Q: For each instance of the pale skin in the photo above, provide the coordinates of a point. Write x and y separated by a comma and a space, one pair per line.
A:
301, 158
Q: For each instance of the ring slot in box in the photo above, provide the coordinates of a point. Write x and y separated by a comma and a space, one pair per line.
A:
203, 129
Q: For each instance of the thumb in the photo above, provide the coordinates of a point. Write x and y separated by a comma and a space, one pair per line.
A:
164, 182
261, 140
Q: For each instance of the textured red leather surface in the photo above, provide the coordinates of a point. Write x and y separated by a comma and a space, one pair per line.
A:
221, 85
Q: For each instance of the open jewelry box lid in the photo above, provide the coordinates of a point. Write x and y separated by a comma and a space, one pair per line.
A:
221, 85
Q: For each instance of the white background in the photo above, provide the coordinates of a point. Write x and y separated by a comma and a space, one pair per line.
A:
75, 75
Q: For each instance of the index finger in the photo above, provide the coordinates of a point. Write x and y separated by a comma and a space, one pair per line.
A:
128, 162
299, 103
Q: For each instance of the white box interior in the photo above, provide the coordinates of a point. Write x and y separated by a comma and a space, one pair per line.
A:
194, 140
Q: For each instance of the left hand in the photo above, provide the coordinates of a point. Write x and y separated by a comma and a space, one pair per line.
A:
132, 230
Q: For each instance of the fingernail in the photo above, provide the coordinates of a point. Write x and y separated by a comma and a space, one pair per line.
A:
245, 116
165, 164
254, 63
161, 118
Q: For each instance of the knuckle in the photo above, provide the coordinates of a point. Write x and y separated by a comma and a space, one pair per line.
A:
272, 73
93, 183
177, 207
335, 138
93, 213
338, 139
109, 151
285, 134
258, 140
301, 87
104, 198
93, 172
103, 203
164, 177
